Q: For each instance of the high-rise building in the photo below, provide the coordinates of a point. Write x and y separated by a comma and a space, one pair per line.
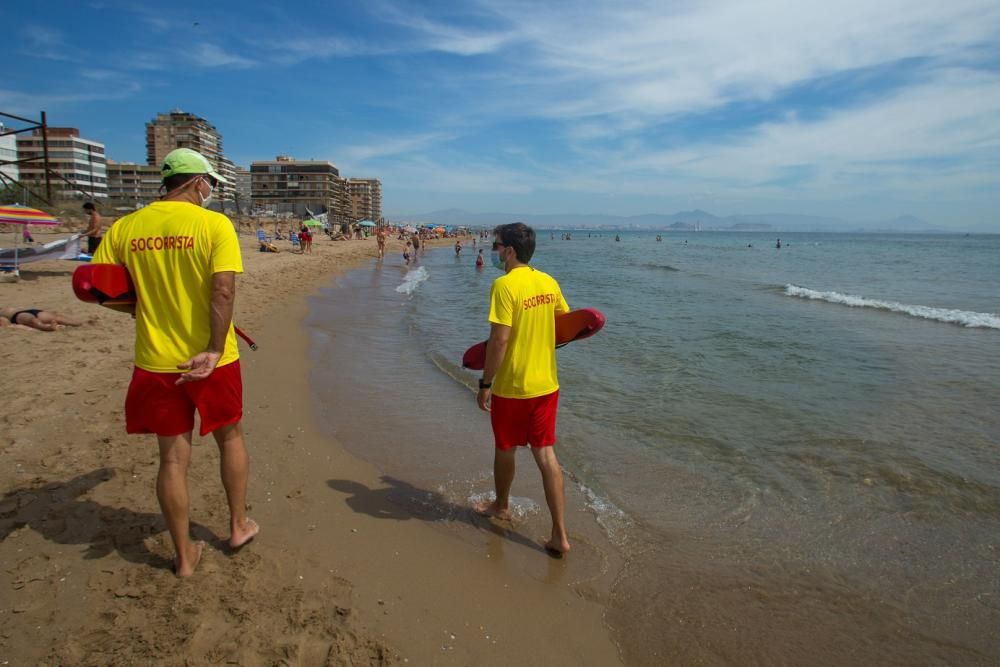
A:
179, 129
78, 164
244, 196
8, 153
133, 183
287, 185
366, 198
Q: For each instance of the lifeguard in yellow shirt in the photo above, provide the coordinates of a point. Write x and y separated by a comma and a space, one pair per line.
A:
183, 260
519, 386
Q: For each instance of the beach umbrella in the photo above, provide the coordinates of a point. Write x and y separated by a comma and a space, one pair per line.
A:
313, 223
439, 230
366, 223
24, 215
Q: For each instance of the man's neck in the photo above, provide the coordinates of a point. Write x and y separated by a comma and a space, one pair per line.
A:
187, 193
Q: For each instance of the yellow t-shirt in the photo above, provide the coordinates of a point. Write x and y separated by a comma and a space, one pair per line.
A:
527, 301
171, 249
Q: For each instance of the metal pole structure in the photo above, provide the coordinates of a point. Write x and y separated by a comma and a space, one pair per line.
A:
45, 157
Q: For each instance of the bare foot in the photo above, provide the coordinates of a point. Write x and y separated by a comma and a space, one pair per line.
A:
558, 545
491, 509
185, 567
243, 534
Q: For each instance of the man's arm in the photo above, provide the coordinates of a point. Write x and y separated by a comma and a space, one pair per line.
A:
201, 365
496, 350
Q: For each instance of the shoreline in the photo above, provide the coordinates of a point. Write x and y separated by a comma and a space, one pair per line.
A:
327, 579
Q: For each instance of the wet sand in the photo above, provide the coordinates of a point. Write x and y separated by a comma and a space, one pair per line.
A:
340, 573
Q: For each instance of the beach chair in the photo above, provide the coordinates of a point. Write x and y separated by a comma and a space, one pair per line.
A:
295, 241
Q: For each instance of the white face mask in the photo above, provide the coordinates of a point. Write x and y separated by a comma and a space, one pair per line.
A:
205, 201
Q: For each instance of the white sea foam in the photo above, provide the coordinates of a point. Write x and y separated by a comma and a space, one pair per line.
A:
962, 317
616, 523
412, 280
519, 507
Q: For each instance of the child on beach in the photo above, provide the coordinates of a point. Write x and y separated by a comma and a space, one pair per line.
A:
407, 253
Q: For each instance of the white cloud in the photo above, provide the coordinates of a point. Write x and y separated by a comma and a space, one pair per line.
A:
448, 36
210, 55
381, 147
652, 59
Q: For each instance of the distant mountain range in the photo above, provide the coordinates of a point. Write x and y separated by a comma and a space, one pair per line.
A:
681, 221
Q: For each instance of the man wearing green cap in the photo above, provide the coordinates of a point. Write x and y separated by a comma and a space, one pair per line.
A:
183, 260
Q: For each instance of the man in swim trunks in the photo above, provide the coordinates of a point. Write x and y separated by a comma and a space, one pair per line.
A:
35, 318
380, 238
519, 386
183, 260
416, 245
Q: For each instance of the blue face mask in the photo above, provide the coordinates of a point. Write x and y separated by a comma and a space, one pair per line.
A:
497, 262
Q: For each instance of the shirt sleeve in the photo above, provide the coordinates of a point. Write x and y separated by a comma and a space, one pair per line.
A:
561, 305
501, 304
225, 247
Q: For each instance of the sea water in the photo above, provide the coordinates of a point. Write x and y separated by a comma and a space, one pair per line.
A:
795, 452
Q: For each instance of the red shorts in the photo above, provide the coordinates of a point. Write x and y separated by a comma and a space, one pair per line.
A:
154, 404
524, 421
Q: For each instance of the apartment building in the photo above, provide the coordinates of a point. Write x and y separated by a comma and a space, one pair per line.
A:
287, 185
244, 191
366, 198
180, 129
78, 164
8, 154
133, 183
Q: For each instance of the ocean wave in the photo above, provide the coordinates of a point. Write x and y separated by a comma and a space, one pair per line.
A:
412, 280
964, 318
660, 267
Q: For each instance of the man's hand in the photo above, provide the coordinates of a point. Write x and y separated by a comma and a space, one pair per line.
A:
198, 367
483, 399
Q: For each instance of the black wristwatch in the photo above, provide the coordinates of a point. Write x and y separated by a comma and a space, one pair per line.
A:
484, 385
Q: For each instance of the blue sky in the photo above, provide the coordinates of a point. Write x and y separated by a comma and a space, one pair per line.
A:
855, 109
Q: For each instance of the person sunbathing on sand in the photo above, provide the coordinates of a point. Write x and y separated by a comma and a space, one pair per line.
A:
34, 318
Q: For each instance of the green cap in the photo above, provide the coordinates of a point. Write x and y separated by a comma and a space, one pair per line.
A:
187, 161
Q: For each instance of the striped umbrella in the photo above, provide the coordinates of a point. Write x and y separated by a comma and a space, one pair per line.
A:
23, 215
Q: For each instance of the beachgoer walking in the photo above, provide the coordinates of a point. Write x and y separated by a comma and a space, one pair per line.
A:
407, 253
458, 248
93, 232
380, 239
183, 260
306, 239
480, 260
36, 318
519, 387
416, 245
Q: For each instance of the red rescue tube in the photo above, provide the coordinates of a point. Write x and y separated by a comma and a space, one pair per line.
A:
571, 326
111, 286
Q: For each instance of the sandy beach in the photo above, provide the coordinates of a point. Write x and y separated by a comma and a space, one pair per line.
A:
339, 574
